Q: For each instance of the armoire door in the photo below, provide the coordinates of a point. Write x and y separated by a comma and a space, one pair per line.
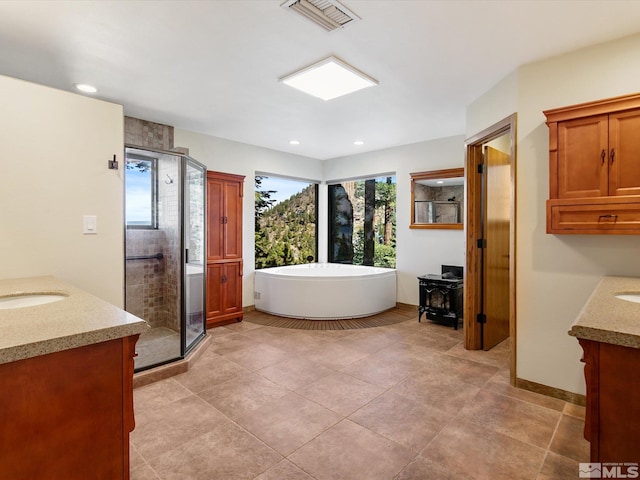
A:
232, 220
215, 216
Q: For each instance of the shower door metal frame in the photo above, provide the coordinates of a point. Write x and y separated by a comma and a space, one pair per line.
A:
183, 330
183, 159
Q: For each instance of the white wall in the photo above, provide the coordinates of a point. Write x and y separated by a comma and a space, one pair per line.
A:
54, 157
418, 251
499, 102
242, 159
557, 273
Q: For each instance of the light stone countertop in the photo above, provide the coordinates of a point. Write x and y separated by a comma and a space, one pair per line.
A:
78, 320
608, 319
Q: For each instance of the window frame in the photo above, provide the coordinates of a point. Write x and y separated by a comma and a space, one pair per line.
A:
153, 225
331, 208
315, 184
435, 175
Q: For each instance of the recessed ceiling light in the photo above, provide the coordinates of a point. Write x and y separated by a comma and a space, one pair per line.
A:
440, 181
294, 142
330, 78
358, 142
83, 87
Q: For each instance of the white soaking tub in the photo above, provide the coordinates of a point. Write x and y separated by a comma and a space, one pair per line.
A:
325, 291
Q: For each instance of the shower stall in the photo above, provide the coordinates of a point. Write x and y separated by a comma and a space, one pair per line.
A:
165, 252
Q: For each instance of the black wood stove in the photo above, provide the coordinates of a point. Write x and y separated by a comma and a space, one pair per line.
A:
441, 296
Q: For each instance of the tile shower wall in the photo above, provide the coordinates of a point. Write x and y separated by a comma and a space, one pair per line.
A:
450, 193
169, 225
141, 133
145, 278
153, 286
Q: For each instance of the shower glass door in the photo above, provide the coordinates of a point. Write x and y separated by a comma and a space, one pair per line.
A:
164, 246
194, 252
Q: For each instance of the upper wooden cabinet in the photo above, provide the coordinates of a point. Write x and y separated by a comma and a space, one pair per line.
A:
594, 167
224, 215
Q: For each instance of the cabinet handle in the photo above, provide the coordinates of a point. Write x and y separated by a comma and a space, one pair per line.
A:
610, 215
613, 154
603, 155
223, 279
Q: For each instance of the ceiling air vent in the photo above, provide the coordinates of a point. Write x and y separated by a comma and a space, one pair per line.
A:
329, 14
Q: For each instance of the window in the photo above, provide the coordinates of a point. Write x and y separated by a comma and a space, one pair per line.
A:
437, 199
141, 192
362, 222
285, 221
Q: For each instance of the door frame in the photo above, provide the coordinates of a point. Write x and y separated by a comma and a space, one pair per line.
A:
473, 227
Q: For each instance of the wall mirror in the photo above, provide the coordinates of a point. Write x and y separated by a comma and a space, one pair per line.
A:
437, 199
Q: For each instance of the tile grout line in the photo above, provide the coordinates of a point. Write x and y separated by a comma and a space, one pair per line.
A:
546, 453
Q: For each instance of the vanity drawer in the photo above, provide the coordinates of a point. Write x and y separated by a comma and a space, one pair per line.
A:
618, 218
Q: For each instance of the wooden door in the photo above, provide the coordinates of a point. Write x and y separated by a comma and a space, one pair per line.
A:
232, 221
215, 214
624, 153
582, 157
496, 254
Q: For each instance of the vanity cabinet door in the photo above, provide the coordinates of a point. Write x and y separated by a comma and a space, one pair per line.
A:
67, 415
612, 422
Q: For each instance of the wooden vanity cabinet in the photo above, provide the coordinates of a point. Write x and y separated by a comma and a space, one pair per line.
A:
594, 167
612, 422
68, 415
224, 248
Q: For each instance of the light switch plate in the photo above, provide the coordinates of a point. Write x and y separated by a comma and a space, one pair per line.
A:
90, 225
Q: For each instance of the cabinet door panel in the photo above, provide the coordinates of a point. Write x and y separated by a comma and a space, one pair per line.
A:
214, 289
65, 414
233, 222
624, 153
618, 404
215, 234
233, 287
582, 170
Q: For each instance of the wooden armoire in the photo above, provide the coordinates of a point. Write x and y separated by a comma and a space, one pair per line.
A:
224, 248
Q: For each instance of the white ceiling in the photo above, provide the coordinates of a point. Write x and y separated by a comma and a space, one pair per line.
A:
213, 66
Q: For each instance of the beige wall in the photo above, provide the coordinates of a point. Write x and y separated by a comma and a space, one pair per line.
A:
53, 160
557, 273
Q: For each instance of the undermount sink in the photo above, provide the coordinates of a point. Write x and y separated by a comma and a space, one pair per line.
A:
629, 297
29, 300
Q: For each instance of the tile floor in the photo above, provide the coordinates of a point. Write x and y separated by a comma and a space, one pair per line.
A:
404, 401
